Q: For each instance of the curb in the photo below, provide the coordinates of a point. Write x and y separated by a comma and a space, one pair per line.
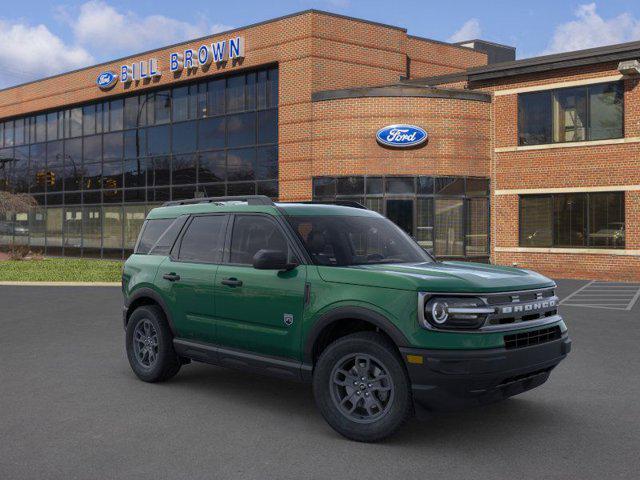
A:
61, 284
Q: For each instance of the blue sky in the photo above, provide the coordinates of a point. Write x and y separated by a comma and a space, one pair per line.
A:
43, 37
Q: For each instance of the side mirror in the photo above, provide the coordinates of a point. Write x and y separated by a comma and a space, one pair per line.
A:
272, 260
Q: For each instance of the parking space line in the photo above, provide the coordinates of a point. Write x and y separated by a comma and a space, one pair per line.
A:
576, 292
598, 294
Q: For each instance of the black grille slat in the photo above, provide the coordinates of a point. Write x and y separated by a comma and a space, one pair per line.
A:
535, 337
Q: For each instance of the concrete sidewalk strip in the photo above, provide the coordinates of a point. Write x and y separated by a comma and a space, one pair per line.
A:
607, 295
61, 284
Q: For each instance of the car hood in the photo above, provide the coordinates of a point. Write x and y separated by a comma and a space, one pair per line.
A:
451, 277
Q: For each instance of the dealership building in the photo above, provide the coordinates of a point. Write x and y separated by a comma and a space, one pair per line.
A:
532, 162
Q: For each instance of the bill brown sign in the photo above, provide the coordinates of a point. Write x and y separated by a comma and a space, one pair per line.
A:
189, 59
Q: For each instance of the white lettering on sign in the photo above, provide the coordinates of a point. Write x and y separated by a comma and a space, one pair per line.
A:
401, 135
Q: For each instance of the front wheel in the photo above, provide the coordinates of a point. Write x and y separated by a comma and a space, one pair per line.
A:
150, 345
362, 388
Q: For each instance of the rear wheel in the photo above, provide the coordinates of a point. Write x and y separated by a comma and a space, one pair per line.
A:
362, 388
150, 345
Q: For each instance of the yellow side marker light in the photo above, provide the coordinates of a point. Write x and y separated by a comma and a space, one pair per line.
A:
417, 359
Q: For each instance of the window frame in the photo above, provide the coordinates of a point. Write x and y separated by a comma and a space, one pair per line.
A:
552, 92
587, 222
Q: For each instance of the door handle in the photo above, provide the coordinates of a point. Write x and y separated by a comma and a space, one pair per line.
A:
232, 282
172, 277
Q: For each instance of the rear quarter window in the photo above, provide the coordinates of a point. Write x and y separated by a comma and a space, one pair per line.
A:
158, 235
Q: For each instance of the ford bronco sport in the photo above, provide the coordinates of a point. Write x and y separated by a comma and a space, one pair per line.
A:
337, 296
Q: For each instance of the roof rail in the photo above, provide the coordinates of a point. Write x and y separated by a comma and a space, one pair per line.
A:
342, 203
250, 199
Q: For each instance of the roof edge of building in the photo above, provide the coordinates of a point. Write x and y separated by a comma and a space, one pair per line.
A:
442, 42
400, 90
556, 61
225, 32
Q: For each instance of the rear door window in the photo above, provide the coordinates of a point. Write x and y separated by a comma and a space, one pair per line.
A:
204, 239
252, 233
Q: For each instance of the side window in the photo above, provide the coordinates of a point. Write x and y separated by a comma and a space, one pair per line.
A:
252, 233
168, 238
150, 234
204, 239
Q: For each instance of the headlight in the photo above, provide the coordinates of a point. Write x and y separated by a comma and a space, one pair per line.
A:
455, 313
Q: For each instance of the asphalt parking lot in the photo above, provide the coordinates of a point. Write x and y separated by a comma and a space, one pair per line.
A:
70, 408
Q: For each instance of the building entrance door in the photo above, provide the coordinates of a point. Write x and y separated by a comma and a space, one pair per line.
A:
400, 212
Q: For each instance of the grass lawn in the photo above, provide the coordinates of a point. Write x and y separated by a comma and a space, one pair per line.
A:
61, 270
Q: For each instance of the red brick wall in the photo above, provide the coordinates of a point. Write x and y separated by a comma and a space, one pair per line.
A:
429, 58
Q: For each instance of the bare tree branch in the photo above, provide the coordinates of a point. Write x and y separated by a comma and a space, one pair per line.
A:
16, 202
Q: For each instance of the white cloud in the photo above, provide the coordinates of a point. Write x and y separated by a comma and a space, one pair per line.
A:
469, 31
107, 31
29, 52
591, 30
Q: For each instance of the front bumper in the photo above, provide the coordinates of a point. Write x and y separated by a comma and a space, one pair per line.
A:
452, 379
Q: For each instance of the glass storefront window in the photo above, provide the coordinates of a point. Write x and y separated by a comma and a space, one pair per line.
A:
449, 227
477, 240
134, 216
424, 220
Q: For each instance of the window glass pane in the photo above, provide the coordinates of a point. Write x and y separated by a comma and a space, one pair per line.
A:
477, 187
241, 129
211, 167
268, 126
252, 233
400, 185
8, 134
250, 89
6, 167
350, 186
267, 168
375, 203
153, 229
135, 143
73, 164
92, 176
606, 111
184, 169
41, 128
180, 104
183, 137
534, 118
21, 169
161, 171
54, 230
270, 189
606, 220
324, 187
425, 185
91, 228
55, 163
241, 164
204, 239
211, 133
37, 227
536, 221
261, 89
215, 97
37, 167
273, 87
19, 132
134, 173
112, 228
201, 102
570, 220
167, 239
424, 226
101, 110
449, 186
374, 185
570, 115
89, 115
130, 112
134, 216
75, 122
162, 109
72, 230
244, 188
92, 149
112, 146
478, 226
235, 93
449, 227
116, 118
158, 140
112, 175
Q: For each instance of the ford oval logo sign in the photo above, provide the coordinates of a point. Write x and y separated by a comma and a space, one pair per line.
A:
106, 80
401, 136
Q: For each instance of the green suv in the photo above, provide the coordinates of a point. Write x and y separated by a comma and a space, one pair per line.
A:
337, 296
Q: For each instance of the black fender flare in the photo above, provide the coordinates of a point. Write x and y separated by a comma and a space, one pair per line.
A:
355, 313
145, 292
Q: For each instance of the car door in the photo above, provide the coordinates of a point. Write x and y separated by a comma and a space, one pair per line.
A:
187, 277
259, 310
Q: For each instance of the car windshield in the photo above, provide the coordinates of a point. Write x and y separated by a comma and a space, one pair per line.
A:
340, 241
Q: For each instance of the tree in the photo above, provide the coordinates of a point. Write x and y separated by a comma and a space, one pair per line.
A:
16, 202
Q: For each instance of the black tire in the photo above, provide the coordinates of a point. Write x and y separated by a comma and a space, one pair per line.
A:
166, 362
334, 391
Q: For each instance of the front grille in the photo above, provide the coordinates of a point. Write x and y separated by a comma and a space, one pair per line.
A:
535, 337
522, 306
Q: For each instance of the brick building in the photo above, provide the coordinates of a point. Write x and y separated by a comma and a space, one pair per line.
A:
528, 162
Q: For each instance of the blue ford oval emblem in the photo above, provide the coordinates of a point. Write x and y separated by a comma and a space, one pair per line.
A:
401, 136
106, 80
